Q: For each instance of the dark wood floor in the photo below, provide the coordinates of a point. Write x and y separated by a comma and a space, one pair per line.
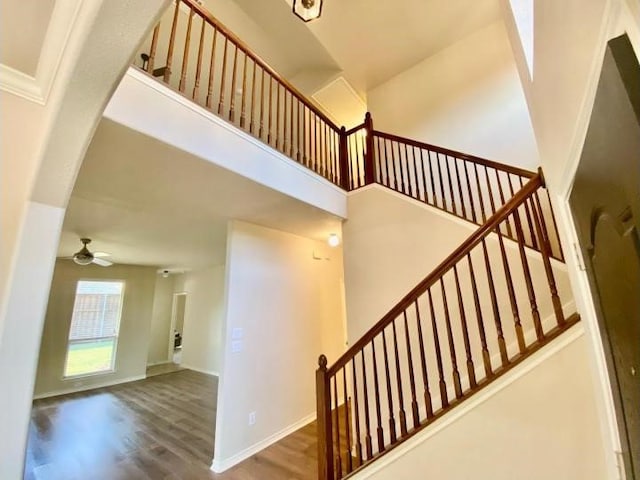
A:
160, 428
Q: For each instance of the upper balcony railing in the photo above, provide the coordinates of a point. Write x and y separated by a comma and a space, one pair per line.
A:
196, 55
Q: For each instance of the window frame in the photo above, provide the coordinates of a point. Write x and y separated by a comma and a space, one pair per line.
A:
70, 342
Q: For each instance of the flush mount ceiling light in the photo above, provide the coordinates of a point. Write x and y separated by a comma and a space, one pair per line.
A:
307, 10
333, 240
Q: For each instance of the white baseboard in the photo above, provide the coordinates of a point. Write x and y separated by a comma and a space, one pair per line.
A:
219, 466
201, 370
92, 386
161, 362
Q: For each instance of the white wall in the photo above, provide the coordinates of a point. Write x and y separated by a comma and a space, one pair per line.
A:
289, 306
161, 320
466, 97
538, 422
569, 42
133, 339
203, 319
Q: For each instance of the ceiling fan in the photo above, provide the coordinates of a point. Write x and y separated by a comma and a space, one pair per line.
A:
85, 257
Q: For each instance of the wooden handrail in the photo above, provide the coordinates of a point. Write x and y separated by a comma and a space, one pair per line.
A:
458, 254
445, 151
264, 65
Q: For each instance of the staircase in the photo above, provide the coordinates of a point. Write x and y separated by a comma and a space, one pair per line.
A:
487, 307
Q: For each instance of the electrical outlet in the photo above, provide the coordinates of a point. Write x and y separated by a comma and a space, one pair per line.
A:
252, 418
236, 346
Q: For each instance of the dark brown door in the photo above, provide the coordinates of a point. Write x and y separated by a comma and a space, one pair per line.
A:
605, 202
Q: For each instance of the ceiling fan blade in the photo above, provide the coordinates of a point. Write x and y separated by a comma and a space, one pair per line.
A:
101, 254
102, 262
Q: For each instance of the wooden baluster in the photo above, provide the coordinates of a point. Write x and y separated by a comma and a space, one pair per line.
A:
335, 145
253, 96
471, 369
545, 249
316, 159
537, 323
472, 204
424, 177
502, 346
260, 132
243, 103
300, 135
415, 172
336, 416
412, 380
376, 388
534, 242
325, 428
304, 135
381, 152
359, 164
356, 410
367, 422
347, 425
185, 55
457, 385
423, 364
393, 166
212, 66
502, 202
432, 178
411, 183
512, 294
327, 152
440, 176
400, 176
486, 357
392, 420
444, 399
223, 76
196, 86
460, 192
172, 39
401, 414
270, 116
454, 209
480, 193
489, 190
154, 47
278, 140
309, 148
232, 112
291, 125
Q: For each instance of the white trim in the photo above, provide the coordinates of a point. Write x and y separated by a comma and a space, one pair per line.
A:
37, 89
219, 466
146, 80
107, 383
20, 84
162, 362
475, 401
201, 370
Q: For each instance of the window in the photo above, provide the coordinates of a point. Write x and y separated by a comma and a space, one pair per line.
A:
523, 15
93, 335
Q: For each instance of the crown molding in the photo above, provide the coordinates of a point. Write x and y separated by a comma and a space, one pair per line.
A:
56, 42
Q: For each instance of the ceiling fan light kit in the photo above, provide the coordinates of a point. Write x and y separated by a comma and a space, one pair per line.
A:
307, 10
85, 257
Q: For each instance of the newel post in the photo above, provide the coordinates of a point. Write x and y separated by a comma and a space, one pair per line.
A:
325, 437
343, 156
369, 162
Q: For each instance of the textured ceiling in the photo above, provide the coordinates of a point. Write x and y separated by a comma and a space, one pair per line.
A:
147, 203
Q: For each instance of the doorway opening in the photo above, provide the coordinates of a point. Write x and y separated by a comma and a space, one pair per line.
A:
176, 332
